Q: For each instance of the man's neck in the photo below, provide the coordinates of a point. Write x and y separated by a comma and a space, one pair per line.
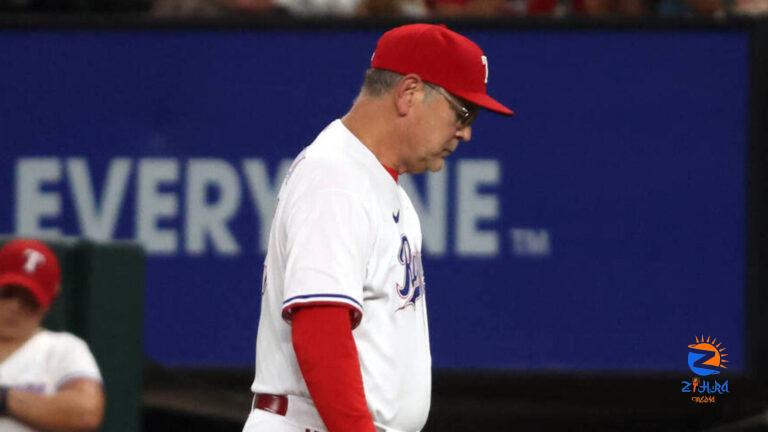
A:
368, 123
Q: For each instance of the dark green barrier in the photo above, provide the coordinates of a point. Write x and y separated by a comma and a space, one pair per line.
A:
61, 315
110, 303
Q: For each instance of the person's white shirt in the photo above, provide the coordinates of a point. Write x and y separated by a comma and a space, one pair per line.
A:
320, 7
409, 8
46, 362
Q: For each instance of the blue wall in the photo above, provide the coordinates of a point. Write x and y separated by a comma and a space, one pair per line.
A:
601, 229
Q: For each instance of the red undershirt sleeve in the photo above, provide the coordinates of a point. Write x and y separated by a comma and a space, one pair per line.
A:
327, 356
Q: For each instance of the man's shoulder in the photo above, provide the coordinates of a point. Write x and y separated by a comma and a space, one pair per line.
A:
336, 145
332, 161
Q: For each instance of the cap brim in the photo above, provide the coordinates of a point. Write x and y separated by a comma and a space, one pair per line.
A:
28, 283
487, 102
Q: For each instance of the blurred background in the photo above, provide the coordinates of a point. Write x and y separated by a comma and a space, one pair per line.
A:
459, 9
572, 253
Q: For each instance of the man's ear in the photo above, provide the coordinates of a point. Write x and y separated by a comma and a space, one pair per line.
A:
407, 93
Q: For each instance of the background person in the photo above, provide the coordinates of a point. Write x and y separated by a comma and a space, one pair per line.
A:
49, 381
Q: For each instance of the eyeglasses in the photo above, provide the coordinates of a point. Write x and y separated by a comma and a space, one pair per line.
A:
465, 113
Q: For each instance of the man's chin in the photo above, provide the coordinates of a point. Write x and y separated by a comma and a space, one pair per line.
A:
9, 334
432, 165
436, 165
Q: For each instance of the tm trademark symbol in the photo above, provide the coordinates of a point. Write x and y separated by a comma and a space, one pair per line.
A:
531, 242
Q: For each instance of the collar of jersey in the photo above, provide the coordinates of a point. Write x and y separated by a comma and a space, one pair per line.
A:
365, 150
393, 172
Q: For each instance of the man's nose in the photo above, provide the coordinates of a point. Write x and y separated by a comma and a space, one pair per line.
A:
464, 133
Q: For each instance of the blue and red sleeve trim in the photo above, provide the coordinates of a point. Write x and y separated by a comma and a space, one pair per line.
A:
294, 303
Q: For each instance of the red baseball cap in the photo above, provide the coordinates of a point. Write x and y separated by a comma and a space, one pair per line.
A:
439, 56
32, 265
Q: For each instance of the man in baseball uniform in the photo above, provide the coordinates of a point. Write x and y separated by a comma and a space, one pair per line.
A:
48, 380
343, 341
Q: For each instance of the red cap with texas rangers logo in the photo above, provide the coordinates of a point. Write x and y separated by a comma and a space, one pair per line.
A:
439, 56
32, 265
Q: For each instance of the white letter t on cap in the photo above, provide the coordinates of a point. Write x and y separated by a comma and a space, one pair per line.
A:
34, 258
485, 63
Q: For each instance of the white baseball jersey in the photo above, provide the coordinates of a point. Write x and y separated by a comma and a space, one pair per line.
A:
43, 364
344, 232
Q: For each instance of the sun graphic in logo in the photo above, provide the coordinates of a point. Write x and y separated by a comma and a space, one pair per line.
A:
707, 356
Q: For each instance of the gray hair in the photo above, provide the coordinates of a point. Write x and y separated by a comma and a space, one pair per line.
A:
379, 81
